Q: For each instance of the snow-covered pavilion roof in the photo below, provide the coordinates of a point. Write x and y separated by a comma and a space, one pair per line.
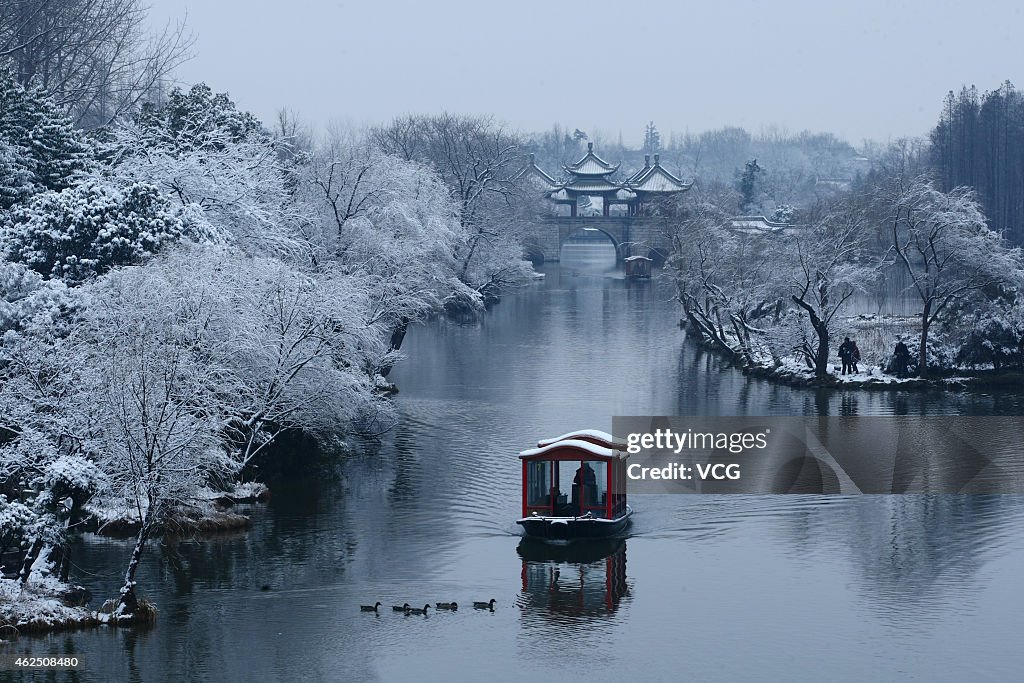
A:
591, 184
761, 225
531, 169
591, 165
656, 178
636, 174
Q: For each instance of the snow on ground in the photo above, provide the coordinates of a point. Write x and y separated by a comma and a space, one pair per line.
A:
40, 606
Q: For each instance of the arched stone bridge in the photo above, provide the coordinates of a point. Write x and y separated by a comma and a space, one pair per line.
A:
631, 235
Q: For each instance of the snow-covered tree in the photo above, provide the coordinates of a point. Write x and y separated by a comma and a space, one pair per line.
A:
827, 267
207, 156
941, 240
44, 413
95, 58
25, 295
391, 222
995, 335
652, 139
283, 349
725, 280
751, 183
476, 159
157, 406
15, 176
86, 230
40, 149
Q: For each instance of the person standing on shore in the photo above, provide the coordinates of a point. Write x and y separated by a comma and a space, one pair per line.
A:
901, 358
854, 356
846, 354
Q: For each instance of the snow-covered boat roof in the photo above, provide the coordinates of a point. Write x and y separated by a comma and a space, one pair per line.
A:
592, 433
574, 444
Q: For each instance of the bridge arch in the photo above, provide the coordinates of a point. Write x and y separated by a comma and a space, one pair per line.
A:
616, 240
630, 235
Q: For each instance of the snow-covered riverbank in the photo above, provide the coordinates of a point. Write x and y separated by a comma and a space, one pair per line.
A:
794, 374
43, 604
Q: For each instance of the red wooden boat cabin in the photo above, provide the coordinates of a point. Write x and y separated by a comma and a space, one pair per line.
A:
574, 486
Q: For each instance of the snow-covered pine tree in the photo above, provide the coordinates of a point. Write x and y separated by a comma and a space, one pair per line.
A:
198, 119
652, 138
750, 187
15, 176
88, 229
43, 140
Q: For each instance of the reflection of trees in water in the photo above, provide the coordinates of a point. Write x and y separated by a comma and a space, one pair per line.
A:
909, 551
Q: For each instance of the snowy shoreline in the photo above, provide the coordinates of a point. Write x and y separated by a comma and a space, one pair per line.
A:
43, 605
876, 380
791, 372
211, 513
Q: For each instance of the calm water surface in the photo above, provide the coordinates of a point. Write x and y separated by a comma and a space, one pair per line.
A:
704, 588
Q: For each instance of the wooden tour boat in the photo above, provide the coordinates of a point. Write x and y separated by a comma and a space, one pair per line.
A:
574, 486
638, 267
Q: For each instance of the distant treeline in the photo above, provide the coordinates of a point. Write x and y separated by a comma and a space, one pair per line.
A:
979, 142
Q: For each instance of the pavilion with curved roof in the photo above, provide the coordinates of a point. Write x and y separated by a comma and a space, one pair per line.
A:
592, 176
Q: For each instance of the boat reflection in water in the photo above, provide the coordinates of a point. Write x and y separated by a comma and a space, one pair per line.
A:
582, 579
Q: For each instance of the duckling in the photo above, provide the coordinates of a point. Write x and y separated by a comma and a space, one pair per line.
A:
484, 605
417, 610
448, 605
367, 608
403, 608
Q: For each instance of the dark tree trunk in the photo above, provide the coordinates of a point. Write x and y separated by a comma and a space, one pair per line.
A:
922, 351
821, 356
821, 329
60, 558
128, 602
397, 337
30, 559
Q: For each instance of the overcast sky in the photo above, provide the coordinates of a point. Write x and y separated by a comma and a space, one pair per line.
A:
861, 69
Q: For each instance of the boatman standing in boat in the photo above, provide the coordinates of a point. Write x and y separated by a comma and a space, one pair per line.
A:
586, 477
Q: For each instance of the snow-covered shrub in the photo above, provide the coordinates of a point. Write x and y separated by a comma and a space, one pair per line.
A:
26, 296
784, 213
72, 477
15, 520
84, 231
995, 337
942, 355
